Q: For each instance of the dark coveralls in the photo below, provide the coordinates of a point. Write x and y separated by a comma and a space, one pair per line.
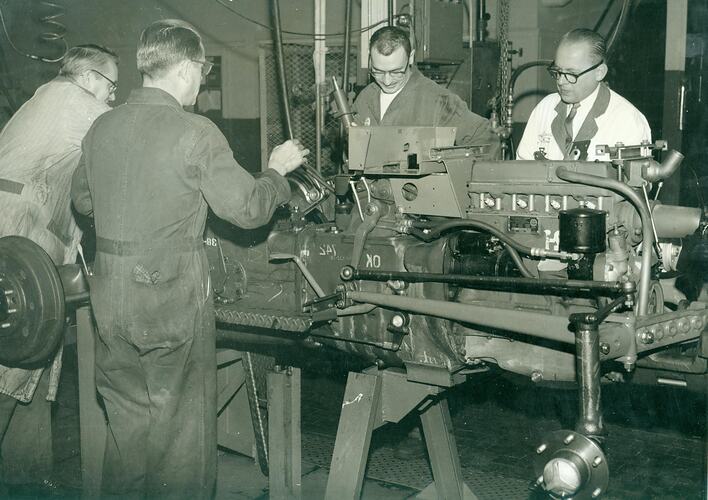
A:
147, 173
424, 103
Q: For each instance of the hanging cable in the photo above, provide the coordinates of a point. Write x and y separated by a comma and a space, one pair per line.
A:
55, 34
301, 33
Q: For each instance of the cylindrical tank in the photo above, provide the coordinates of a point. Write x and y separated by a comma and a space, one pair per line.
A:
582, 230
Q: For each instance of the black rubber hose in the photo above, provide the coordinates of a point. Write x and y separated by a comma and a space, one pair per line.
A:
510, 244
437, 230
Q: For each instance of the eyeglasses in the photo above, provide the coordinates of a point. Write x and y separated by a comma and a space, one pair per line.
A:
206, 66
556, 73
395, 74
114, 85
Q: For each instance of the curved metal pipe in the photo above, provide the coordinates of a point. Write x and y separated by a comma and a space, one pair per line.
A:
520, 69
619, 26
508, 115
655, 171
647, 231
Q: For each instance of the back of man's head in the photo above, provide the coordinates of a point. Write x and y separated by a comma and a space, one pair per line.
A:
166, 43
597, 47
83, 58
388, 39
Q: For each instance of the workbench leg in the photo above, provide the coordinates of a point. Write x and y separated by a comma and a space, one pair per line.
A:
285, 467
92, 420
448, 483
360, 410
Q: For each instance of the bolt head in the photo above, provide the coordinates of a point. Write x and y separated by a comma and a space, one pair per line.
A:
397, 320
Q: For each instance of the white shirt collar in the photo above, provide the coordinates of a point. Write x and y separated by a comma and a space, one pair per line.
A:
589, 100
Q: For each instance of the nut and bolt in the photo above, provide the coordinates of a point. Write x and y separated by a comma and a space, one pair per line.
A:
569, 439
604, 348
597, 461
541, 449
536, 376
646, 337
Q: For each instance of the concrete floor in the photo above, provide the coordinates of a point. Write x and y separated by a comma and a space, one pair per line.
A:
655, 446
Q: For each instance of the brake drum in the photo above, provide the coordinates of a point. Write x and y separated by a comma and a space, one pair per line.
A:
32, 309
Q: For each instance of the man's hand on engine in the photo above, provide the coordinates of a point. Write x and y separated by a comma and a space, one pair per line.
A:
287, 157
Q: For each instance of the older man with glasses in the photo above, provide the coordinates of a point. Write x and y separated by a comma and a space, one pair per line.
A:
39, 149
149, 172
400, 95
584, 112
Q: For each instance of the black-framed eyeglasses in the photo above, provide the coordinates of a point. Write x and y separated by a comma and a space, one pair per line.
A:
396, 74
206, 66
556, 73
114, 85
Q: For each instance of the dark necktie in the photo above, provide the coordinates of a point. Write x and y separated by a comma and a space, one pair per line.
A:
569, 123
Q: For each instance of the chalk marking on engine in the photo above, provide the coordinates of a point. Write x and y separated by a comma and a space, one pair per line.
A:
357, 399
279, 292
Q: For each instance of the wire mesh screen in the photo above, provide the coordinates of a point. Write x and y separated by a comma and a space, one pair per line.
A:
300, 73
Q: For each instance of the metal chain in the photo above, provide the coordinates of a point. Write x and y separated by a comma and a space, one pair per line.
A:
504, 73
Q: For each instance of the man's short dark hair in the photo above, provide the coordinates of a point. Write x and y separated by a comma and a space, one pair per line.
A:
595, 42
165, 43
82, 58
388, 39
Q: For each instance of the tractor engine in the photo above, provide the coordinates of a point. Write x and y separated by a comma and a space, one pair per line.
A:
433, 258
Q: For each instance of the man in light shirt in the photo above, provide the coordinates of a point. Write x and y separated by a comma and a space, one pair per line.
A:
39, 149
584, 113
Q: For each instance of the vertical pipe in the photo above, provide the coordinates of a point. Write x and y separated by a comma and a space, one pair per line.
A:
481, 20
587, 357
277, 33
389, 12
319, 63
347, 119
347, 43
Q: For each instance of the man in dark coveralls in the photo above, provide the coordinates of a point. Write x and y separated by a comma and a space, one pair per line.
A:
400, 95
148, 172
